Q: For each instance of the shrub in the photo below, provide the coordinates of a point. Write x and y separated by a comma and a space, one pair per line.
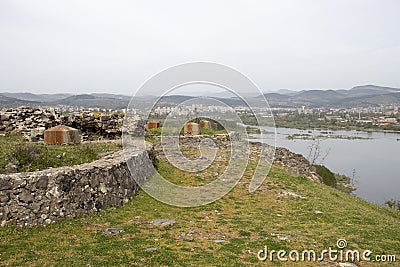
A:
96, 115
26, 155
328, 177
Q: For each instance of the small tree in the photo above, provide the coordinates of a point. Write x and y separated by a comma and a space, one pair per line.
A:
353, 179
315, 153
391, 204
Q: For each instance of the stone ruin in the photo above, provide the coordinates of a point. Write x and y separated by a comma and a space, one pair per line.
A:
32, 122
40, 198
191, 128
205, 124
43, 197
152, 124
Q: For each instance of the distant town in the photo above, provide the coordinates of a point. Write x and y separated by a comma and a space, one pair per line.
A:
367, 107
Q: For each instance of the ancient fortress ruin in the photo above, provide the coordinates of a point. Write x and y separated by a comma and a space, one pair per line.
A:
42, 197
32, 122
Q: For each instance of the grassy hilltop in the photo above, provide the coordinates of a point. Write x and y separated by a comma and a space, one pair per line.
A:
228, 232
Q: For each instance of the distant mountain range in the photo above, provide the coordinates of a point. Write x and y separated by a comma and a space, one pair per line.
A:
6, 101
109, 101
95, 100
367, 95
37, 97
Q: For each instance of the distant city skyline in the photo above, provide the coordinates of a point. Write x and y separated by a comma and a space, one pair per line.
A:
113, 47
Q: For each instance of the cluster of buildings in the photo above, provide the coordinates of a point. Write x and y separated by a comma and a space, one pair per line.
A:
162, 111
380, 116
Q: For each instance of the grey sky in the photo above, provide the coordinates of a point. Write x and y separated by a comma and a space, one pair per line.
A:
114, 46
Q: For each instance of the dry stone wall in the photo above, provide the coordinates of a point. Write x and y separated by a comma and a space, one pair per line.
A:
40, 198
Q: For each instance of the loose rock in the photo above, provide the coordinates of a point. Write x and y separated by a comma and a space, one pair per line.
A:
163, 222
113, 231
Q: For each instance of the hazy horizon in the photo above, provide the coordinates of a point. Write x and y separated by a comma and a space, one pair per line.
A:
185, 91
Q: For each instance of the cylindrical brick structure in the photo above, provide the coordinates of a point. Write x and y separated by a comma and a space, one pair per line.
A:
205, 124
61, 134
191, 128
153, 124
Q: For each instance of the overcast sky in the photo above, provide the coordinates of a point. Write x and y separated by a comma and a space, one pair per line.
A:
114, 46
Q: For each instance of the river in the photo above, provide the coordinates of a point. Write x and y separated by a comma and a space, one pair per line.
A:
373, 158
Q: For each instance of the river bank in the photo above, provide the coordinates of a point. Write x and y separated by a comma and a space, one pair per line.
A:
370, 161
318, 126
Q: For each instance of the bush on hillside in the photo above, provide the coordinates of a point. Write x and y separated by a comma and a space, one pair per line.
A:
328, 177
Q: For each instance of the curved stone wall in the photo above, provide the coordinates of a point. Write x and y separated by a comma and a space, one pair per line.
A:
40, 198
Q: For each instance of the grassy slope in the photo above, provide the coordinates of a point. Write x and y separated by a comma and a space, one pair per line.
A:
247, 221
35, 156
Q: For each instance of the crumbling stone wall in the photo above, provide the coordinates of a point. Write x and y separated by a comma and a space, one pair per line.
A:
296, 164
32, 122
93, 125
40, 198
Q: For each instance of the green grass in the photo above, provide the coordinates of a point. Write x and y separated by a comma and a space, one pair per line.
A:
247, 221
211, 131
34, 156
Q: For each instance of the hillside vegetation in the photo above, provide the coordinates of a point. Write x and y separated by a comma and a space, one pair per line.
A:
286, 212
19, 155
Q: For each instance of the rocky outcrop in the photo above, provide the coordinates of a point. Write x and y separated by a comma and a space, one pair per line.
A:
40, 198
295, 164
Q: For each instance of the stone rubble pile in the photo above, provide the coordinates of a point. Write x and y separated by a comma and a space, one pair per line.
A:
295, 164
32, 122
93, 125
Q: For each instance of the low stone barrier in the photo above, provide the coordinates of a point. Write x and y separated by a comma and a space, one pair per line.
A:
42, 197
